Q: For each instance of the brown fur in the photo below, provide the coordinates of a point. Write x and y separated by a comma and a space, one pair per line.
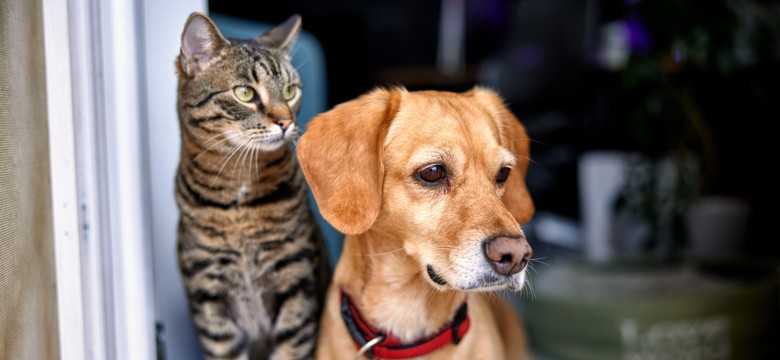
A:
360, 160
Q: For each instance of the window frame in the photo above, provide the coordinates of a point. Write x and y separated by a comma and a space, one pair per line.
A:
100, 178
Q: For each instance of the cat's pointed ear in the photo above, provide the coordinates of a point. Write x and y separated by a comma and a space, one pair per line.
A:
283, 35
201, 42
341, 154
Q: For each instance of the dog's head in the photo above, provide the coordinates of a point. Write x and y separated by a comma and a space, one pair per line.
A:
442, 172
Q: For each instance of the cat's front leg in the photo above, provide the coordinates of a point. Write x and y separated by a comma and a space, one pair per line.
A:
220, 335
294, 329
211, 306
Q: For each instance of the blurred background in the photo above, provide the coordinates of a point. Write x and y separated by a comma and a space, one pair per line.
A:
665, 79
652, 166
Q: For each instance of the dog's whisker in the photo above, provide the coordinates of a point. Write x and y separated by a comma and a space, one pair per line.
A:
529, 159
444, 247
531, 140
494, 297
537, 260
530, 288
376, 254
489, 296
530, 267
429, 299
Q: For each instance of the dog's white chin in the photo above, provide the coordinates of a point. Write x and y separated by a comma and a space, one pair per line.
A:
492, 282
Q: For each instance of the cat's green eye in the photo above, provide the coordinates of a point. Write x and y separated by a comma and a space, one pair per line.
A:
244, 93
289, 92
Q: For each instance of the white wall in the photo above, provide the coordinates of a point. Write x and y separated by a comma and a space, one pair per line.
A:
163, 23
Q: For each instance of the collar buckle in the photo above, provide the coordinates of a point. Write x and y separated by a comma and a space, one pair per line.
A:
366, 349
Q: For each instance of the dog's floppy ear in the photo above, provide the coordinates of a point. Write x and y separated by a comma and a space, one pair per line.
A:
513, 136
341, 155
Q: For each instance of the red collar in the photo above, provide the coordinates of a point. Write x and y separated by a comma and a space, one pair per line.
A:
391, 347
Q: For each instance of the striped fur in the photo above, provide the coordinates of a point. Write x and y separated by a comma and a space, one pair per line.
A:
250, 253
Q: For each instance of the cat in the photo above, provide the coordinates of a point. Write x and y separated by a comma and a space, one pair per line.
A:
250, 253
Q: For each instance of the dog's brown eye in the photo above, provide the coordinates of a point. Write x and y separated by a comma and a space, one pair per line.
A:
432, 175
503, 174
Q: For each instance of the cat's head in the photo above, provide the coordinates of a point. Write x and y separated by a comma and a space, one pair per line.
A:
238, 92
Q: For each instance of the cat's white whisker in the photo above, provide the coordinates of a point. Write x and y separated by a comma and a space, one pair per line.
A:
251, 159
242, 159
257, 164
254, 159
226, 161
301, 64
227, 138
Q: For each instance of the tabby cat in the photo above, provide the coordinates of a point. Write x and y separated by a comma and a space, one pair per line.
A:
250, 253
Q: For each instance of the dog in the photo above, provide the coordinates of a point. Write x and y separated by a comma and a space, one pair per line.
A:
429, 189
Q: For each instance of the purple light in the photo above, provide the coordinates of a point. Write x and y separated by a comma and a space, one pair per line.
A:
637, 35
527, 56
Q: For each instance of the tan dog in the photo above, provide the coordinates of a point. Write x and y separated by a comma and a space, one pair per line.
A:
430, 189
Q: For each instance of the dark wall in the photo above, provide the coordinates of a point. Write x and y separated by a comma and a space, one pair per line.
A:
549, 82
543, 55
377, 42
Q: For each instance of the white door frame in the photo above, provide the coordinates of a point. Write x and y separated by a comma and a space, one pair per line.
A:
100, 178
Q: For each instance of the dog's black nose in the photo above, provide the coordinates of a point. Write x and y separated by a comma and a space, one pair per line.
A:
507, 255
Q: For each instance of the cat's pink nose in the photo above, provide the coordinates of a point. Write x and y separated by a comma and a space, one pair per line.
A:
284, 123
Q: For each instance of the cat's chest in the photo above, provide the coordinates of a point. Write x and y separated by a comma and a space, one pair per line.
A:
246, 223
243, 189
